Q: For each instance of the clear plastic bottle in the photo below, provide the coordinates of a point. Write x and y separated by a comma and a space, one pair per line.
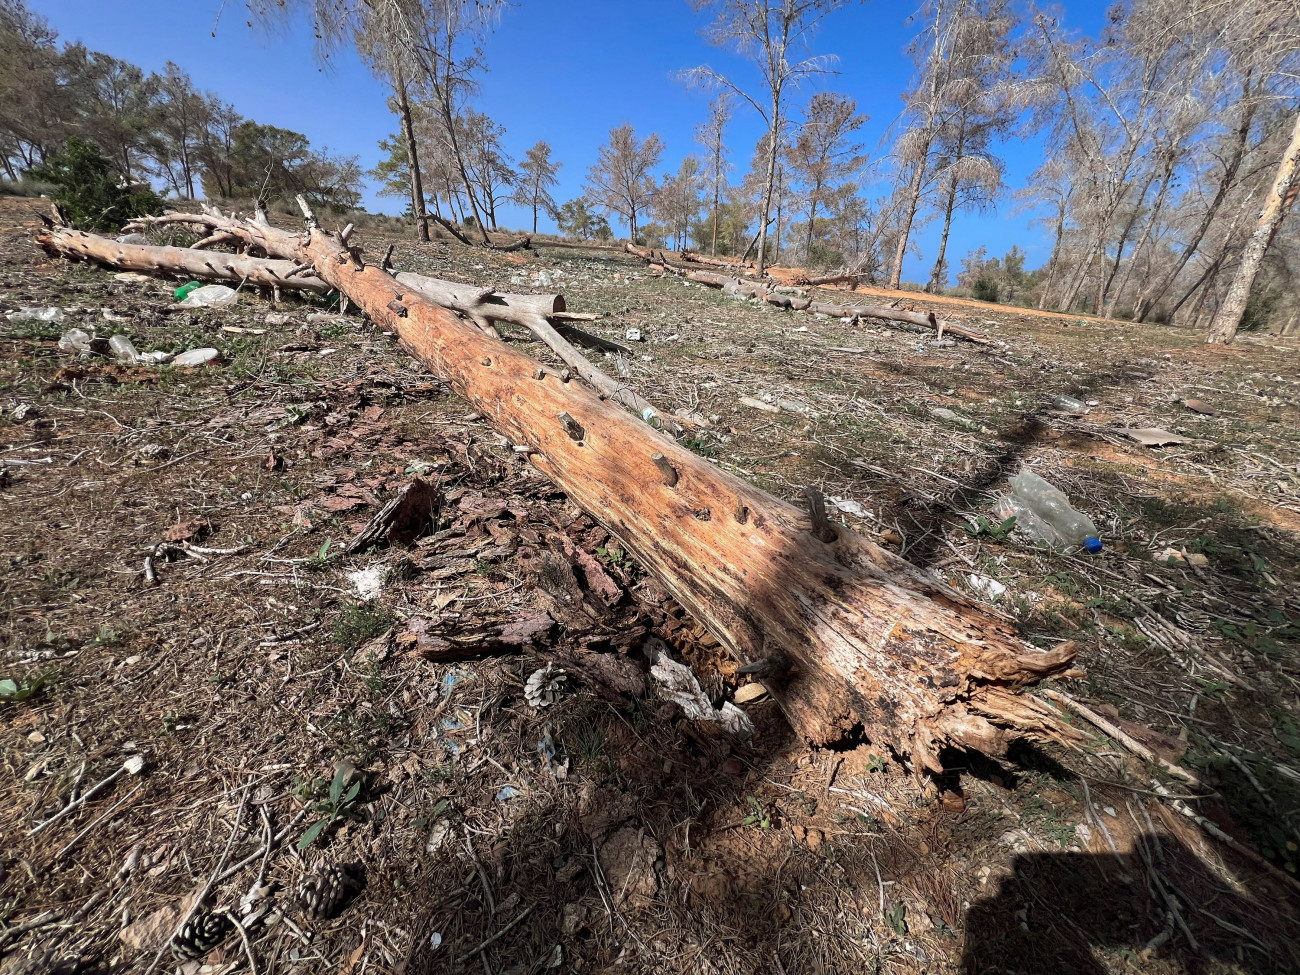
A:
1046, 515
1068, 404
124, 349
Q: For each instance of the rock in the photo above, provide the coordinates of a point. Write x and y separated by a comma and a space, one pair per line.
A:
630, 861
195, 357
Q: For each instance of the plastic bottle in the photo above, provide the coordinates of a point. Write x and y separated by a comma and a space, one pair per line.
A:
74, 340
1045, 514
1068, 404
184, 290
124, 349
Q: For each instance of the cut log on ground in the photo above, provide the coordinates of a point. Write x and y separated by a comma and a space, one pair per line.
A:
766, 292
870, 645
178, 261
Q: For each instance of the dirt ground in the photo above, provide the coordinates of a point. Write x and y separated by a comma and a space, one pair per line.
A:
283, 723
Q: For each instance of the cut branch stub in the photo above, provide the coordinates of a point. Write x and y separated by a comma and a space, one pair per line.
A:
666, 469
572, 427
822, 528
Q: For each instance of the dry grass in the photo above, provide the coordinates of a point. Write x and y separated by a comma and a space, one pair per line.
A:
605, 833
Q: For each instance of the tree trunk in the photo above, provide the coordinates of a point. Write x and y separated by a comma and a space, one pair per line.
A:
1142, 241
914, 201
774, 136
1055, 259
862, 642
1225, 184
178, 261
412, 160
1223, 328
936, 276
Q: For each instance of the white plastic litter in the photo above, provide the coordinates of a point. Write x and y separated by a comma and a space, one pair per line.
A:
990, 589
195, 357
850, 507
35, 315
369, 583
212, 296
156, 358
75, 340
676, 683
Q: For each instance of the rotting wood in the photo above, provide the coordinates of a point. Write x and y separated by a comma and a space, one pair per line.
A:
878, 648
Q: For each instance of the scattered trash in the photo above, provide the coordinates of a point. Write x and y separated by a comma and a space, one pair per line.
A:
124, 349
185, 290
747, 693
634, 335
1183, 557
1044, 514
943, 413
507, 793
133, 277
35, 315
75, 340
850, 507
1068, 404
545, 686
24, 412
277, 318
758, 404
195, 357
990, 589
1200, 406
209, 296
1153, 436
156, 358
369, 583
677, 684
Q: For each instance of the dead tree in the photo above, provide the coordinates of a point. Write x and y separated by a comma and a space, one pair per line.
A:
869, 644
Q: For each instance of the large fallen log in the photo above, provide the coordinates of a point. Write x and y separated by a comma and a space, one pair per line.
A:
179, 261
749, 288
853, 640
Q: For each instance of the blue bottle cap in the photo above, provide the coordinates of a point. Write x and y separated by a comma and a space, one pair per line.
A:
1092, 545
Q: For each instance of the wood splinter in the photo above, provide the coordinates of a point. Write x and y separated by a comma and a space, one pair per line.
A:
822, 529
572, 427
666, 469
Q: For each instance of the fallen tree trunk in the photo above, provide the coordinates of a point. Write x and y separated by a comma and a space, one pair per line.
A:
755, 289
694, 257
179, 261
855, 640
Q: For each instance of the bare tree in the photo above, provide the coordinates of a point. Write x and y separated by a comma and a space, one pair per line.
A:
437, 41
620, 181
677, 204
536, 177
768, 32
823, 153
711, 135
183, 115
978, 105
1050, 185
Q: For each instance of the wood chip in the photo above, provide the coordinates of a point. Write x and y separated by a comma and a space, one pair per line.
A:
1153, 436
749, 692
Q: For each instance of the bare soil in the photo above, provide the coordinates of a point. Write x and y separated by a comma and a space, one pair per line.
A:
606, 832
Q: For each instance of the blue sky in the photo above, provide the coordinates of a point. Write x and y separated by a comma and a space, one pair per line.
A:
562, 70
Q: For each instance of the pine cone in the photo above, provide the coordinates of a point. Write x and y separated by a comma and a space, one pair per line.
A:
545, 686
325, 893
201, 933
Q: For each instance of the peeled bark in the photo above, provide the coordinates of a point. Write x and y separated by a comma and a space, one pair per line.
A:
869, 645
178, 261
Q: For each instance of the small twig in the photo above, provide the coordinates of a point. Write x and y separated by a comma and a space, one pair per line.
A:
97, 820
207, 888
1128, 741
243, 936
78, 803
496, 937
